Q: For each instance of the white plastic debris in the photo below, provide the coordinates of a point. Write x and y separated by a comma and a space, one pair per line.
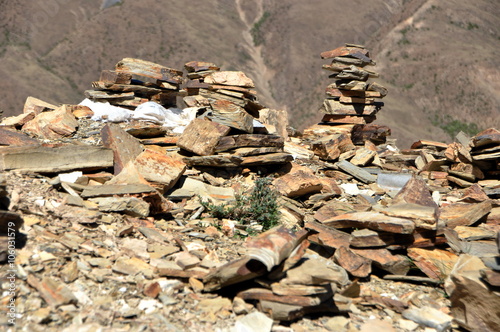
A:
149, 306
70, 177
430, 317
175, 119
253, 322
350, 188
106, 112
436, 197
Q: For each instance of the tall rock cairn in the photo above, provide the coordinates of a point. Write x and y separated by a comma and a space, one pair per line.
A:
353, 100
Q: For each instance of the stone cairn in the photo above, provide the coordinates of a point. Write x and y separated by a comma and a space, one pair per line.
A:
234, 130
134, 82
351, 104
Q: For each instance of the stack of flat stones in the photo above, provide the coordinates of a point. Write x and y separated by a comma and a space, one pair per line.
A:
134, 82
352, 101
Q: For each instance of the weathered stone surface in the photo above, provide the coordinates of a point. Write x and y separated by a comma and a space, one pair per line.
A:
37, 106
254, 322
463, 214
319, 130
171, 269
159, 168
297, 182
344, 51
245, 152
330, 186
491, 277
232, 115
236, 78
415, 191
142, 129
436, 263
129, 205
331, 147
267, 159
370, 132
111, 76
332, 209
366, 238
328, 236
186, 260
161, 141
58, 159
344, 119
355, 264
356, 171
316, 270
473, 305
429, 317
116, 189
125, 147
53, 124
53, 292
70, 272
372, 220
456, 152
190, 187
474, 194
225, 160
467, 233
331, 106
149, 69
423, 216
301, 290
17, 121
363, 157
486, 137
201, 136
196, 66
276, 121
249, 140
384, 259
131, 266
268, 295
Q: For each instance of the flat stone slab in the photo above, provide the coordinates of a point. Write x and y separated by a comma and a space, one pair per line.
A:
52, 160
372, 220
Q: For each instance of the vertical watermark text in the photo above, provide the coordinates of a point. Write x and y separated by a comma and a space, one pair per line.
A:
11, 273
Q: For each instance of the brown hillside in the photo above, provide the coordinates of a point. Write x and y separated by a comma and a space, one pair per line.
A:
437, 58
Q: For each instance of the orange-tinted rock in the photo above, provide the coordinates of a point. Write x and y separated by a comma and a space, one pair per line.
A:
435, 263
298, 182
13, 137
356, 265
201, 136
159, 168
125, 147
372, 220
463, 214
236, 78
53, 124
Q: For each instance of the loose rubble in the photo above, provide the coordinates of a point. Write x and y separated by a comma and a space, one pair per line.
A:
119, 225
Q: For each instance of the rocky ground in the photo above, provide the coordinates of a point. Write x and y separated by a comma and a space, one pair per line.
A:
128, 216
80, 267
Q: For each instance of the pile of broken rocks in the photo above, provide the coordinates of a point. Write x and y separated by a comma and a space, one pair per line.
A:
111, 233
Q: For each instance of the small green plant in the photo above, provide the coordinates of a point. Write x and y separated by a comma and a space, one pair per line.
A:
256, 32
260, 205
471, 26
404, 40
453, 126
408, 86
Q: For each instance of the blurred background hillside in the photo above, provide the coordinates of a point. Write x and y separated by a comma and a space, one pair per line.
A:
437, 58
